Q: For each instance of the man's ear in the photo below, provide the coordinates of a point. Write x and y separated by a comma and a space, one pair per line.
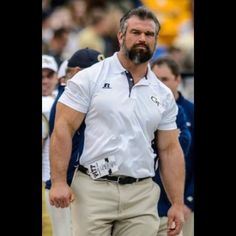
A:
178, 78
77, 69
120, 36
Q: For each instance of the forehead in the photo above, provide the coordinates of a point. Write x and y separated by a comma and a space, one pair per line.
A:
135, 22
47, 70
70, 69
162, 70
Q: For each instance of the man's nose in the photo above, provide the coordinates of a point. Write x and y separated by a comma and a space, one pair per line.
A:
142, 37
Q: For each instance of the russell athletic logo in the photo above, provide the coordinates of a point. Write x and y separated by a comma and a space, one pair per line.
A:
106, 86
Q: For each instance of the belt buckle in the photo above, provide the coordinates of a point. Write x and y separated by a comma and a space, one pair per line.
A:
118, 179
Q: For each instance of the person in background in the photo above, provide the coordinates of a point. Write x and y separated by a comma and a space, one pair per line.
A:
60, 89
185, 142
168, 71
57, 44
49, 82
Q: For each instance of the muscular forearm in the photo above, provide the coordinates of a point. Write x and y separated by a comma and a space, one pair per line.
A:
60, 151
172, 172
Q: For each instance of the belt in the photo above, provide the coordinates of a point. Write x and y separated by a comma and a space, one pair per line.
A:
113, 178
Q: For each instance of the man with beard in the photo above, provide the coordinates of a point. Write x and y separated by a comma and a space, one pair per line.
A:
125, 107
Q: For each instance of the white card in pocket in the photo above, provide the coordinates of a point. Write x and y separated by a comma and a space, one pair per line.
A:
103, 167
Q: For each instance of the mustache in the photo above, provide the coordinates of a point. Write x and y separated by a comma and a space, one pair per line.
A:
141, 44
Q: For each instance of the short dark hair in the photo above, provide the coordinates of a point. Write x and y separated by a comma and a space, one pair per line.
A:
172, 65
142, 13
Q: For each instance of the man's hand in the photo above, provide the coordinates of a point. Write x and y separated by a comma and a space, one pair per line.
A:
175, 220
187, 212
61, 195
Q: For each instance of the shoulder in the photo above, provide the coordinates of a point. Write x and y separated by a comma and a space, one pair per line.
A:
161, 90
180, 110
157, 84
184, 102
47, 102
93, 72
181, 116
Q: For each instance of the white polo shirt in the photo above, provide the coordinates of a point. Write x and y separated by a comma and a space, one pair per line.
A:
120, 121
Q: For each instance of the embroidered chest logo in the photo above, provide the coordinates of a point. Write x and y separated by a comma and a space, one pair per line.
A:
154, 99
106, 86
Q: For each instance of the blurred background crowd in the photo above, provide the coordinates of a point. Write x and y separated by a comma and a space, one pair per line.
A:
68, 25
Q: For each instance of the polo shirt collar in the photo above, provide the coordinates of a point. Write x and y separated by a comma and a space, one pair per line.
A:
118, 68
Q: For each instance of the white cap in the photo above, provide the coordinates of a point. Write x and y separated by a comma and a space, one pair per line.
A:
48, 62
62, 69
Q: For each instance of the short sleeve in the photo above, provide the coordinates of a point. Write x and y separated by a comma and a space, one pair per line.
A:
168, 121
77, 93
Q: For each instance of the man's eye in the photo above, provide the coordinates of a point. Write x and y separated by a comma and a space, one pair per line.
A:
150, 34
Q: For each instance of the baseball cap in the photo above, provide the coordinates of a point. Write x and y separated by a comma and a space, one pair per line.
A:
48, 62
84, 58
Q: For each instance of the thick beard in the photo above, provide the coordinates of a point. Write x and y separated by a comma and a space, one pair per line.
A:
137, 55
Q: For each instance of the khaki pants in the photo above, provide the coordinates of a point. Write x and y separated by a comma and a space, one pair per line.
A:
188, 229
163, 227
60, 218
46, 221
103, 208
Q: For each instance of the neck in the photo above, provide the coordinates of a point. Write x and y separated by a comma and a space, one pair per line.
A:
176, 94
137, 71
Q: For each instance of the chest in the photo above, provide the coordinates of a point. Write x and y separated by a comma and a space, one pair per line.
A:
116, 98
